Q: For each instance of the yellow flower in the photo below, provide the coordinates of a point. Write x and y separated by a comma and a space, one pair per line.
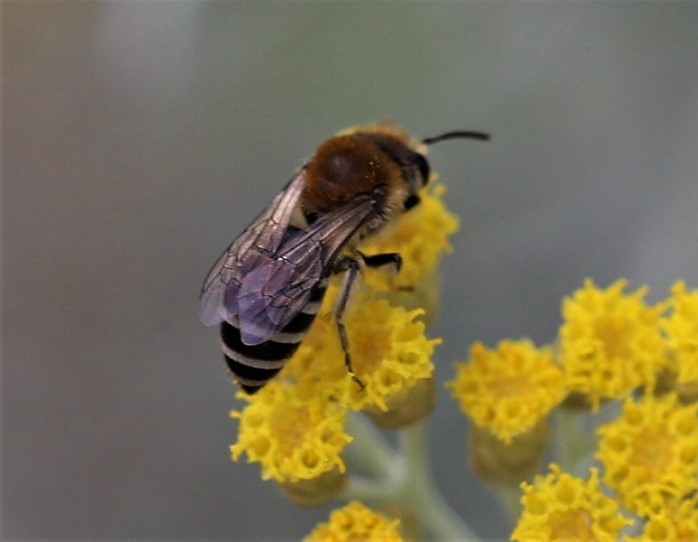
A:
610, 341
420, 236
389, 353
294, 426
510, 389
650, 454
561, 507
681, 327
355, 523
293, 437
678, 523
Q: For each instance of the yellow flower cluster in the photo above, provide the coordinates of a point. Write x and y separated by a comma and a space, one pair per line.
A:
509, 389
420, 237
293, 439
294, 426
677, 523
559, 507
681, 328
356, 523
610, 342
389, 351
650, 454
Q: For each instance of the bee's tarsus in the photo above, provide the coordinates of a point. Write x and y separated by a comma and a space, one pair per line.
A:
358, 381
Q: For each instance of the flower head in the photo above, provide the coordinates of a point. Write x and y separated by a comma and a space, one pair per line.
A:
293, 437
681, 328
610, 341
650, 454
355, 523
420, 237
294, 426
509, 389
670, 524
389, 353
560, 507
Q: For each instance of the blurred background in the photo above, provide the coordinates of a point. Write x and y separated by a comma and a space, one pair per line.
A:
139, 138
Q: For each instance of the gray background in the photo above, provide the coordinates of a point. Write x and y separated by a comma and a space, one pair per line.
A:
140, 138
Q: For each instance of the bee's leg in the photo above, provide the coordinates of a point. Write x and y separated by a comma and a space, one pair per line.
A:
380, 260
351, 268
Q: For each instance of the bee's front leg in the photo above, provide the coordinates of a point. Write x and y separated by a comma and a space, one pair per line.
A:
381, 260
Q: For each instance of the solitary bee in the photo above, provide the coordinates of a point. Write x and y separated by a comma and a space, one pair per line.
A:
267, 286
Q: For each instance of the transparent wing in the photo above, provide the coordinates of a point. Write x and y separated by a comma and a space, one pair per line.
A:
272, 294
254, 247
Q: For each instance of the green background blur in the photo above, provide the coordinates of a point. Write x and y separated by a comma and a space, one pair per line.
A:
140, 137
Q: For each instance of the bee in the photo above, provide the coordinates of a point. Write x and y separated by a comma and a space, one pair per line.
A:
268, 285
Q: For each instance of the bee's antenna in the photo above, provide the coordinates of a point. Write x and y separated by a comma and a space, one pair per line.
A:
459, 134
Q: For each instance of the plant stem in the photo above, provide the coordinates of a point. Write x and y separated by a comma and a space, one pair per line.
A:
420, 492
370, 454
405, 479
510, 497
572, 441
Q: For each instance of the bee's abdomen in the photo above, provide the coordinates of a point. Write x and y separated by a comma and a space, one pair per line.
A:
253, 366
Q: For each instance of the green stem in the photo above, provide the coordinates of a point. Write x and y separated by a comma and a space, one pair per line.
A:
510, 497
572, 441
420, 492
369, 453
405, 479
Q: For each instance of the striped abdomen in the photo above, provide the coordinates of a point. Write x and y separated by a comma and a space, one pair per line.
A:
254, 366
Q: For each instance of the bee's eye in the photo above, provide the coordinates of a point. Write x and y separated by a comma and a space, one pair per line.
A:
411, 201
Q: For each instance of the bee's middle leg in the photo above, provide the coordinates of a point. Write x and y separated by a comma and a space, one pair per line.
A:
352, 269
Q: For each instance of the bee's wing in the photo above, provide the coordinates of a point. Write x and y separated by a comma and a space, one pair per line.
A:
272, 294
255, 246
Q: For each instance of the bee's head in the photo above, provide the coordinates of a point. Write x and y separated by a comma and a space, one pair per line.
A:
416, 167
381, 157
418, 170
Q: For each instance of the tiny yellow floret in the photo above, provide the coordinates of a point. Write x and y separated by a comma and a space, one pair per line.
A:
681, 328
356, 523
559, 507
650, 453
292, 437
610, 341
510, 389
